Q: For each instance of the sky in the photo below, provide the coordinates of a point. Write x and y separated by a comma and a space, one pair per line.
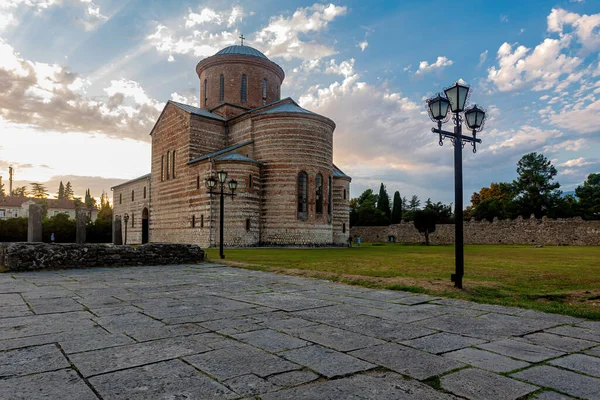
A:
82, 82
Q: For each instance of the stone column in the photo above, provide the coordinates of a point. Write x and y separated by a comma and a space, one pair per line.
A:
81, 219
117, 233
34, 224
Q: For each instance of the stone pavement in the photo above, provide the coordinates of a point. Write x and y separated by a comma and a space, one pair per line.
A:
214, 332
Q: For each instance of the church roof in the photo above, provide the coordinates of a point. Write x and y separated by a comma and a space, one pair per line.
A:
219, 152
139, 178
244, 50
196, 111
337, 173
289, 108
237, 157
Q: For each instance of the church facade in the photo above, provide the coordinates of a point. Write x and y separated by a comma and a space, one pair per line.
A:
289, 191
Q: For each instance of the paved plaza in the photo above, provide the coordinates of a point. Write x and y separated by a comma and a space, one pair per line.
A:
214, 332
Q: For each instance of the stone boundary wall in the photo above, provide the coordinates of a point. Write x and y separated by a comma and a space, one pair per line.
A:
551, 232
22, 256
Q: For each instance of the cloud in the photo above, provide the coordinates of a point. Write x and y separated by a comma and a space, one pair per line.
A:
568, 145
439, 64
576, 162
585, 27
503, 18
482, 58
52, 97
584, 120
363, 45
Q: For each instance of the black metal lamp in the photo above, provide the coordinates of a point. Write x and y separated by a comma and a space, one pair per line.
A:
457, 95
475, 118
210, 183
438, 108
222, 176
233, 185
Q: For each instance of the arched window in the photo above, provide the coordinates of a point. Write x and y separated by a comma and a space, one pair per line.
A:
344, 194
167, 169
264, 91
173, 165
132, 195
205, 92
162, 168
302, 195
202, 221
343, 227
244, 88
221, 88
120, 198
319, 194
329, 197
250, 183
247, 224
144, 191
132, 220
193, 221
198, 182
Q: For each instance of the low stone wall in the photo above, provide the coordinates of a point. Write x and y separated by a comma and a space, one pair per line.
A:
551, 232
31, 256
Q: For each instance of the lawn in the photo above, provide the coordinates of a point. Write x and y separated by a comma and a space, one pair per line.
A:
564, 280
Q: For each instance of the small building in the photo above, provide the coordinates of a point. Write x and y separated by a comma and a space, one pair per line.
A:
289, 191
14, 207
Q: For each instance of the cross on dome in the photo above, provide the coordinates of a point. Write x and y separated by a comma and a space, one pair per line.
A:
242, 37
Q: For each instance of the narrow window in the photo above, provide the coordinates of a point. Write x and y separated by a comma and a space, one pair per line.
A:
221, 88
202, 221
120, 198
302, 195
173, 165
144, 191
344, 194
329, 196
167, 169
250, 181
132, 220
247, 224
162, 168
132, 195
343, 227
319, 194
264, 91
244, 88
193, 221
205, 92
198, 182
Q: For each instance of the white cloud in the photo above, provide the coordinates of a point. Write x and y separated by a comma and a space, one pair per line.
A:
576, 162
181, 98
439, 64
584, 120
524, 139
585, 27
503, 18
363, 45
568, 145
90, 20
345, 68
205, 16
482, 58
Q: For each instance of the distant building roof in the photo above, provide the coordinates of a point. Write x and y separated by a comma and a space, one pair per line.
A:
12, 201
244, 50
196, 111
288, 108
337, 173
219, 152
139, 178
237, 157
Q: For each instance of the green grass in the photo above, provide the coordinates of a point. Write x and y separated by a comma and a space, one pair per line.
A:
564, 280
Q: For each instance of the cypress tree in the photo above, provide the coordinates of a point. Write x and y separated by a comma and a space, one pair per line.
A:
68, 191
61, 191
383, 202
397, 209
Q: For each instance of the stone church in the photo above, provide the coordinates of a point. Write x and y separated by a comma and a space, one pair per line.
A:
289, 191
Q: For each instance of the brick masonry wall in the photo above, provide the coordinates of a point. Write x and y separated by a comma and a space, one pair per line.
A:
572, 232
341, 210
122, 204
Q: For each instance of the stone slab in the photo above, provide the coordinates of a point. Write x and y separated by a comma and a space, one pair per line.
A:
442, 342
293, 378
372, 386
521, 350
486, 360
407, 361
576, 332
64, 385
382, 328
31, 360
11, 299
594, 352
270, 340
230, 362
327, 362
52, 306
563, 381
556, 342
250, 385
548, 395
165, 380
475, 384
15, 311
579, 363
335, 338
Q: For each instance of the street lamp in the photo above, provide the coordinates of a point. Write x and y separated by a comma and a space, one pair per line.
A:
211, 183
456, 98
126, 219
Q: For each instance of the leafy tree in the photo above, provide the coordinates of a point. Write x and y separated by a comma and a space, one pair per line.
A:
68, 191
383, 202
90, 202
363, 211
589, 197
2, 192
534, 189
39, 191
62, 226
495, 201
61, 191
415, 203
442, 212
20, 191
13, 230
397, 209
425, 221
101, 230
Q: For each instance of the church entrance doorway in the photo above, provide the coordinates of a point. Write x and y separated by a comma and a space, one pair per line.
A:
145, 226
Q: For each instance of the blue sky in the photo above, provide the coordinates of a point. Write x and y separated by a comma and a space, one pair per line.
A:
82, 82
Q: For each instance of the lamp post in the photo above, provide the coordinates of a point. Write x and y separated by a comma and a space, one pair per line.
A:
211, 183
125, 219
455, 98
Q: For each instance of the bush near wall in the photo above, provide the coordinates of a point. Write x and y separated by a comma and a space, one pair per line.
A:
13, 230
64, 229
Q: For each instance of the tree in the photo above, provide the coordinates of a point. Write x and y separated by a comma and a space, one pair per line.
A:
589, 197
20, 191
535, 192
89, 201
68, 191
39, 191
2, 192
493, 202
363, 211
61, 191
397, 209
414, 203
425, 221
383, 202
442, 212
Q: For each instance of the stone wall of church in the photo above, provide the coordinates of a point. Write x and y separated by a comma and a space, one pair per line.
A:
287, 144
123, 203
551, 232
341, 214
206, 136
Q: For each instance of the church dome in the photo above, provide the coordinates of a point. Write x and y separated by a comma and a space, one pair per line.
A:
244, 50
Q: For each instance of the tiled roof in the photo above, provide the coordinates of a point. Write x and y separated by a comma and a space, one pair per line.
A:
288, 108
337, 173
196, 111
219, 152
237, 157
139, 178
12, 201
244, 50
